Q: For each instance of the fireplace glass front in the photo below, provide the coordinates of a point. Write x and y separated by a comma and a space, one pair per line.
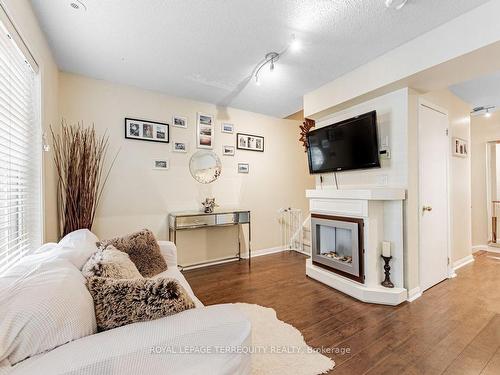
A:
337, 245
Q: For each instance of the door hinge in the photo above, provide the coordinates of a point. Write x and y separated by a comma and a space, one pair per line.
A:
449, 261
446, 131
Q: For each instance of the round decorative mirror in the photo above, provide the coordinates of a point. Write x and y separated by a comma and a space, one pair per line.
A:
205, 167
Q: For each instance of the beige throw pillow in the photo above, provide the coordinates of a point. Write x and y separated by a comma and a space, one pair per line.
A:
123, 301
143, 250
110, 262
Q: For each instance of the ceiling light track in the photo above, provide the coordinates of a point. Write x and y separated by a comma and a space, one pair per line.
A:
485, 111
272, 57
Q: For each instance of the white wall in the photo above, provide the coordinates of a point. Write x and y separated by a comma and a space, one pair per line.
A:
483, 130
392, 118
397, 118
26, 23
137, 196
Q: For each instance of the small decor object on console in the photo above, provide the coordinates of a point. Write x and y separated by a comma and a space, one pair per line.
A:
305, 128
147, 130
249, 142
209, 205
387, 270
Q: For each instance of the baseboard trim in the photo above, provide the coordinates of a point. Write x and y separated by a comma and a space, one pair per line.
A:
414, 294
260, 252
479, 248
302, 252
463, 262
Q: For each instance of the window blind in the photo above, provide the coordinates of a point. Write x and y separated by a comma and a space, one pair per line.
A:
20, 154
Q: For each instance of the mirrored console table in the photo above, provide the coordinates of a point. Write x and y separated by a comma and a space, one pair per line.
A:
188, 220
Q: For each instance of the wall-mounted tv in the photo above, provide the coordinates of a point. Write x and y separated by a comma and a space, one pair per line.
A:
349, 144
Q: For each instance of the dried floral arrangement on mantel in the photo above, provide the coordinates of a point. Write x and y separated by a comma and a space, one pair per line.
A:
79, 157
305, 128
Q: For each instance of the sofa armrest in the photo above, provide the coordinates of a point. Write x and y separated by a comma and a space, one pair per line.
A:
169, 252
150, 347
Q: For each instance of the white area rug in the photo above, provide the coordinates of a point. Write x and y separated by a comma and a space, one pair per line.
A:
279, 348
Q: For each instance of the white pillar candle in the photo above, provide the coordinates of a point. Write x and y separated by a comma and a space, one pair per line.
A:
386, 249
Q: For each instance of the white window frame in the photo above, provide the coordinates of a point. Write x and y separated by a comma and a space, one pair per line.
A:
35, 237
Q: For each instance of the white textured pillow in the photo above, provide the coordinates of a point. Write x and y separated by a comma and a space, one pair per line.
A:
41, 307
77, 247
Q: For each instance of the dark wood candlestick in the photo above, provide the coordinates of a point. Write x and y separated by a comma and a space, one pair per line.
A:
387, 269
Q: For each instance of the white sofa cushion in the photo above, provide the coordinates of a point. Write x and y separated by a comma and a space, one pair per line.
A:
44, 303
77, 247
146, 347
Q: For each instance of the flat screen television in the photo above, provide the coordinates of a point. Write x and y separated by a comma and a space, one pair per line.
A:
346, 145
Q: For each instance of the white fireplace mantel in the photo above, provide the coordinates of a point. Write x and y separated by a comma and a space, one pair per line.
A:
382, 212
373, 194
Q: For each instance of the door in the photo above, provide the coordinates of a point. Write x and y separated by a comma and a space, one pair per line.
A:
434, 227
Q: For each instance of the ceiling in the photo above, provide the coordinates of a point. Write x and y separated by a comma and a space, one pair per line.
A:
480, 92
206, 50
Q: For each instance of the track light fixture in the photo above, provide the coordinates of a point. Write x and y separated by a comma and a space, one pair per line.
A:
485, 111
271, 58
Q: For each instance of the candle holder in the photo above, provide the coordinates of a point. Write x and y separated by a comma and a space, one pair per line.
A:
387, 270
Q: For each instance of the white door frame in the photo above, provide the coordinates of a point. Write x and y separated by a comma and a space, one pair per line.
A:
430, 105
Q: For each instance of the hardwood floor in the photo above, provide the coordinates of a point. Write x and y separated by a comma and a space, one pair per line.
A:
454, 328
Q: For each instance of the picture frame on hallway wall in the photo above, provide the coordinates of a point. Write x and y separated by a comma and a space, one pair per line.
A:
205, 131
145, 130
460, 147
249, 142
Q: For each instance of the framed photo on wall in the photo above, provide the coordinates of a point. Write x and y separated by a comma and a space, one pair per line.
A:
179, 121
179, 147
243, 168
161, 164
249, 142
227, 128
145, 130
205, 131
228, 150
460, 147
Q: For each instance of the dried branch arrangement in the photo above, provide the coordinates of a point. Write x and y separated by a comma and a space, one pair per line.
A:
79, 157
305, 128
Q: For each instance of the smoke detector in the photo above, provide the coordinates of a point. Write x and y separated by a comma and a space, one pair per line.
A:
395, 4
485, 111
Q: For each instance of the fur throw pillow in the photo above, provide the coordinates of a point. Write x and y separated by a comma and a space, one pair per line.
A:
110, 262
119, 301
143, 250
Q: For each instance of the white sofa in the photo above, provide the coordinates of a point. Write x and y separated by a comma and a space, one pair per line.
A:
200, 340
